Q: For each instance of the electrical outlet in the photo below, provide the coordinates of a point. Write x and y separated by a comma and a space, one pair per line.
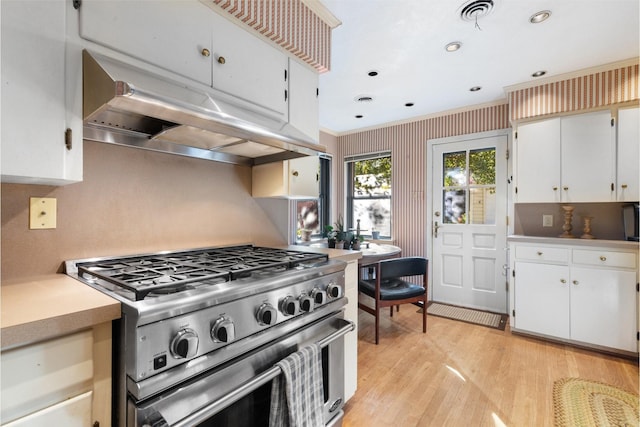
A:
547, 220
42, 212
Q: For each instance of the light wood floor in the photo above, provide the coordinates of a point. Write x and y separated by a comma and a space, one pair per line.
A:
465, 375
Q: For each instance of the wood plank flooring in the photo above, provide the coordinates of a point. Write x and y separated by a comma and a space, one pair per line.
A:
459, 374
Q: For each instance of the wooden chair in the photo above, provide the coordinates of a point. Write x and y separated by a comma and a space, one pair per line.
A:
389, 288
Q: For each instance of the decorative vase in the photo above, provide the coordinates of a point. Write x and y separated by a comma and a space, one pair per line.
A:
567, 227
331, 243
340, 244
587, 228
355, 245
305, 235
375, 235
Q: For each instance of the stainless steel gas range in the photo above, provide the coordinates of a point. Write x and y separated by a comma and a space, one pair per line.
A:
202, 329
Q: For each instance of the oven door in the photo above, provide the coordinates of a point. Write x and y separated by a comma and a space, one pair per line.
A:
239, 392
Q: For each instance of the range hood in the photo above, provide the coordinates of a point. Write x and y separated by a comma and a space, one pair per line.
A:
126, 105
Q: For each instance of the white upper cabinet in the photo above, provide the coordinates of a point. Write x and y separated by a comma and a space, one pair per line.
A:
35, 110
537, 162
628, 154
248, 68
147, 30
568, 159
588, 158
191, 40
295, 178
303, 101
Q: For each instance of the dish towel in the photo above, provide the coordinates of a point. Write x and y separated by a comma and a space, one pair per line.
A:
297, 398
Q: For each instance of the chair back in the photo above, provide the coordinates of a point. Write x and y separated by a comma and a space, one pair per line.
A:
406, 266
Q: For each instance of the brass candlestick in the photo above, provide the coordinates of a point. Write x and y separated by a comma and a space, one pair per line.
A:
587, 228
567, 227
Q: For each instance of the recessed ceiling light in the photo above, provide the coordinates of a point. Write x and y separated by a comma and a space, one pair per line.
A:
409, 104
475, 88
363, 98
372, 73
359, 116
539, 17
453, 46
539, 73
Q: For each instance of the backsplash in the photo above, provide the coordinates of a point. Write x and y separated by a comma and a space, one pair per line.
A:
605, 225
132, 201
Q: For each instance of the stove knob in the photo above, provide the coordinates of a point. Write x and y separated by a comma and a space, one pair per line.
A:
289, 306
223, 330
319, 296
334, 291
184, 344
267, 315
306, 303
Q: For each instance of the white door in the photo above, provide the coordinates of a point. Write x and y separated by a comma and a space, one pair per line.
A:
468, 217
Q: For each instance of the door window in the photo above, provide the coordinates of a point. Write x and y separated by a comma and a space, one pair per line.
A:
469, 187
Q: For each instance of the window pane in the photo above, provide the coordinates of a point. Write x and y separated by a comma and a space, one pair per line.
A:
455, 167
373, 215
482, 166
372, 177
482, 205
455, 207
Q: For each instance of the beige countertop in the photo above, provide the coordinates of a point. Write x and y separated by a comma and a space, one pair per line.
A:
44, 307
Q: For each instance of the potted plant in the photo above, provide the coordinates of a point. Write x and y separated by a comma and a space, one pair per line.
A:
340, 233
356, 240
330, 234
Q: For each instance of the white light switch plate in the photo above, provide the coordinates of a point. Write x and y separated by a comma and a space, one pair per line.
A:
547, 220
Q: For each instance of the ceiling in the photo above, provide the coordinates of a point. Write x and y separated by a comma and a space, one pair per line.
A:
404, 41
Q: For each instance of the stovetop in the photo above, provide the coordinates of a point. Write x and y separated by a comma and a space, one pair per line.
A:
142, 276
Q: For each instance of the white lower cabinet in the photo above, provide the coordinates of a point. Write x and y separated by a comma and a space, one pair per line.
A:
351, 339
581, 294
64, 381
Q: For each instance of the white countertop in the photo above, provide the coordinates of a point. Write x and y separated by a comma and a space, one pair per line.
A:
614, 244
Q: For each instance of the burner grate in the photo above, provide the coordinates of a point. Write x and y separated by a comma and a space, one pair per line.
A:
177, 271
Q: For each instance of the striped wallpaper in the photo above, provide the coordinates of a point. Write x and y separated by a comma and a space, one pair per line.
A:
586, 92
290, 24
407, 143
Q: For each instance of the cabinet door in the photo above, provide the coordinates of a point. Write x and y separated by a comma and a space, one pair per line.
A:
303, 99
628, 178
537, 167
542, 299
603, 307
73, 412
169, 34
33, 95
303, 176
588, 147
248, 68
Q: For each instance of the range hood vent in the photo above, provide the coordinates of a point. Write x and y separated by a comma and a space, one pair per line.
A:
128, 106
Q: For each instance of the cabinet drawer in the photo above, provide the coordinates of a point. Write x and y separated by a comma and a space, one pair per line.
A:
542, 253
605, 258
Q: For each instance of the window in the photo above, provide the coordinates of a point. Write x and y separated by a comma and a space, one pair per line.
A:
469, 179
369, 193
313, 214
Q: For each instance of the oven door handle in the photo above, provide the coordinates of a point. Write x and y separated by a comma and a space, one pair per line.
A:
254, 383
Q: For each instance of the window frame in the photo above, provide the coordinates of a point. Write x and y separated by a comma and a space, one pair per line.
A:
349, 162
324, 200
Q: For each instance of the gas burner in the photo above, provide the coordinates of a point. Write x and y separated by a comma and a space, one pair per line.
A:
151, 275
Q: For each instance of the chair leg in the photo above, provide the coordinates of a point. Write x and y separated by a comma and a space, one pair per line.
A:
424, 314
391, 311
377, 322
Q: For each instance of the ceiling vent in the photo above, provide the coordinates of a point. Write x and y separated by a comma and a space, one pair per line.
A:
475, 9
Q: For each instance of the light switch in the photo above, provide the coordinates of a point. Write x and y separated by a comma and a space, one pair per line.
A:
42, 212
547, 220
